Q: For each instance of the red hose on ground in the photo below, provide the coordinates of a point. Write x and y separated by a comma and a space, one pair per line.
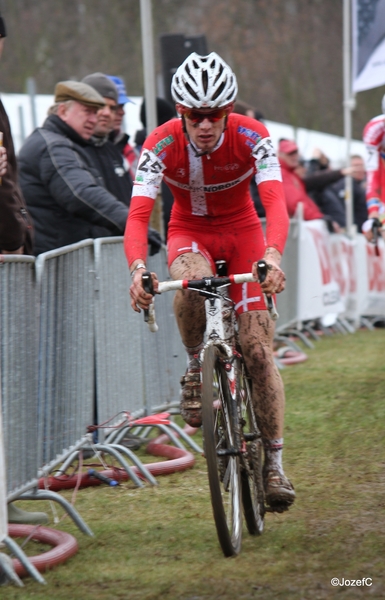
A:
290, 357
178, 460
65, 546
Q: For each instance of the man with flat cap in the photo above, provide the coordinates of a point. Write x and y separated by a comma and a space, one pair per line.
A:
64, 190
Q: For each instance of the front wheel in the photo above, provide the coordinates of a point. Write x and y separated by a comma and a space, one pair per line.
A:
220, 435
251, 464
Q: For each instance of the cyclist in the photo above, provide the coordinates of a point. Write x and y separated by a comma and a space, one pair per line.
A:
206, 157
374, 139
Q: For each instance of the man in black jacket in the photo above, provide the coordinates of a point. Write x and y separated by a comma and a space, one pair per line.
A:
65, 192
333, 196
104, 153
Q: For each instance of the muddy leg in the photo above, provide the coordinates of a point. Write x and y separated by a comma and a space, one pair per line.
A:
189, 305
256, 331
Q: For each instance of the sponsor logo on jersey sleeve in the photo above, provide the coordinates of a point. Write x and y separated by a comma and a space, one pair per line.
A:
162, 144
252, 136
266, 161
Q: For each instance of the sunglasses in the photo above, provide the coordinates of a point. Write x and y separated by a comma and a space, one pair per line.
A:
195, 116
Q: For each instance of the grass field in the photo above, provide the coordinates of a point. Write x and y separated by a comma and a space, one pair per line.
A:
160, 543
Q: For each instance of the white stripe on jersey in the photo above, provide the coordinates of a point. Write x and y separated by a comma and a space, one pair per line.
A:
196, 184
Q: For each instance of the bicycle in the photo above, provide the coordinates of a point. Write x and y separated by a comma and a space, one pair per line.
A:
231, 437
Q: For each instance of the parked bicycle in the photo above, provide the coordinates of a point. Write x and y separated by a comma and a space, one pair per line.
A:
232, 440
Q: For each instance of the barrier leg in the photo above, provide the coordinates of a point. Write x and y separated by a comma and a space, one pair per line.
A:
301, 336
288, 342
185, 437
311, 331
345, 323
120, 459
23, 558
72, 512
141, 467
7, 572
366, 323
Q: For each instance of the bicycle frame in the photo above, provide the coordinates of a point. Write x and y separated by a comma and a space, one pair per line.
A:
221, 332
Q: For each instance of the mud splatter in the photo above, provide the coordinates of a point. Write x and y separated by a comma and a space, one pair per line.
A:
189, 306
256, 332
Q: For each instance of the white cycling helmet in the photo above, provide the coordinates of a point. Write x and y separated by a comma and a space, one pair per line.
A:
204, 82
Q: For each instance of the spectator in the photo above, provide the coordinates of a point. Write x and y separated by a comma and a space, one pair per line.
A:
15, 238
118, 136
333, 196
164, 112
107, 156
296, 191
15, 222
64, 191
374, 138
318, 175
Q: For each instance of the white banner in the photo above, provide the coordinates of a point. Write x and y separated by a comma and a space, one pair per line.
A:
338, 276
319, 292
368, 44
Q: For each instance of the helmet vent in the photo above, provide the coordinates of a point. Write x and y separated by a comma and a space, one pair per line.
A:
191, 91
219, 91
205, 81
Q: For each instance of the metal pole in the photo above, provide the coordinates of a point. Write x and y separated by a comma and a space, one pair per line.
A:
31, 91
148, 64
348, 104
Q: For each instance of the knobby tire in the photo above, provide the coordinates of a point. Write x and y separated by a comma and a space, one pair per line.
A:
251, 468
220, 431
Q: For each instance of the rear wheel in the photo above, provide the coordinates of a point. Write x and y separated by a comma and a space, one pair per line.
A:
251, 463
221, 444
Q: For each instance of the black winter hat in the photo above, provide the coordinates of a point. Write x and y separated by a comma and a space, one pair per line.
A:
102, 84
3, 31
165, 111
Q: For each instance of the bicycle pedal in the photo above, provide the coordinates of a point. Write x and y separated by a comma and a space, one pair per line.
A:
249, 437
278, 508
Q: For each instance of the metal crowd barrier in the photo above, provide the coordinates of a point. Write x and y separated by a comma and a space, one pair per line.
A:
118, 333
19, 353
136, 370
65, 402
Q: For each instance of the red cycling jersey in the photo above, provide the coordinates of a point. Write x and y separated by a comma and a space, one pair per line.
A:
374, 138
213, 212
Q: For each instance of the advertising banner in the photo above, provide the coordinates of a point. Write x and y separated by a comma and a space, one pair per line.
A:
368, 44
319, 289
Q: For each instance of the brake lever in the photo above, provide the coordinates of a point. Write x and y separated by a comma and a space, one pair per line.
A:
262, 270
149, 313
376, 227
